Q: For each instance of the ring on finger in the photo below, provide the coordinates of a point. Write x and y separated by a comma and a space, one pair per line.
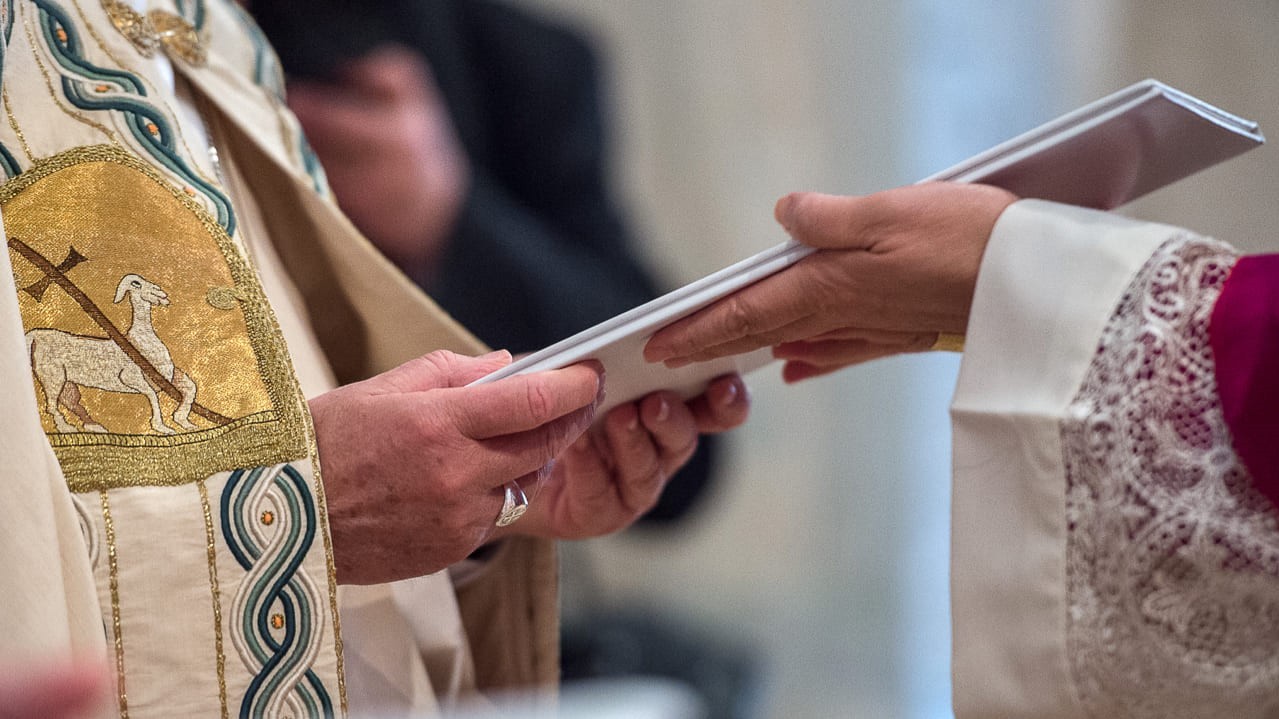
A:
514, 504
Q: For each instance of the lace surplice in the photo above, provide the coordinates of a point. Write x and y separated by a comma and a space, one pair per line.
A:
1173, 555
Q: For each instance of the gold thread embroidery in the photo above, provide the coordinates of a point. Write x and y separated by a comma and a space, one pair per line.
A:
134, 26
330, 565
214, 129
48, 83
157, 98
92, 460
13, 123
114, 581
158, 29
178, 37
215, 593
93, 32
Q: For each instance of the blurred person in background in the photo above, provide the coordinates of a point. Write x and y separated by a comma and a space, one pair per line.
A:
466, 139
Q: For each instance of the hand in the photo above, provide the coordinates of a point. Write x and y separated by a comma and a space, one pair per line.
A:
615, 473
61, 690
414, 462
893, 270
392, 157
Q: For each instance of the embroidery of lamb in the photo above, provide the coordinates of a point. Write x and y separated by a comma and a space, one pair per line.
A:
65, 362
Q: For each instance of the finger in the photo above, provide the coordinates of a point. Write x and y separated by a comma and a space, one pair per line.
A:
638, 468
672, 428
775, 301
800, 329
869, 334
526, 402
793, 372
821, 358
796, 371
438, 370
532, 451
829, 352
724, 405
835, 221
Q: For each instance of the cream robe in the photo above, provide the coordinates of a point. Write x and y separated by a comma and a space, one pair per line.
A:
1172, 628
368, 318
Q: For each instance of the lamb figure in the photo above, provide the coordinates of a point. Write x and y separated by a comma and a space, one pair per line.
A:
65, 362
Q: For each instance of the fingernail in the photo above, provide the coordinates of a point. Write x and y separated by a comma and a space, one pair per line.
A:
633, 423
677, 362
663, 410
785, 211
495, 354
730, 395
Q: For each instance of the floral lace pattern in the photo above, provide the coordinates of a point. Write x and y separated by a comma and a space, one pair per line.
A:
1172, 556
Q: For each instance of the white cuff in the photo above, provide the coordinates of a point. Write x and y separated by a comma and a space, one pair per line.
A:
1050, 279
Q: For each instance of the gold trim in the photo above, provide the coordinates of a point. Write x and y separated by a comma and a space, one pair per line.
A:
215, 594
104, 461
157, 30
229, 180
48, 84
13, 123
947, 342
134, 26
157, 97
102, 45
114, 581
322, 511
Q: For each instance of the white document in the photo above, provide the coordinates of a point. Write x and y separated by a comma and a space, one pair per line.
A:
1101, 155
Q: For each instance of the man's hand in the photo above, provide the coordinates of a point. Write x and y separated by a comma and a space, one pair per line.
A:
414, 461
383, 134
615, 473
893, 270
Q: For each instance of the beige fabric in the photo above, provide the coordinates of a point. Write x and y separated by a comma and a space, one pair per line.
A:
50, 605
1019, 373
366, 318
340, 276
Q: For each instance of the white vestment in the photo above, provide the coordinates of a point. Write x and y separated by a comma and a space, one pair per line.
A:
1109, 555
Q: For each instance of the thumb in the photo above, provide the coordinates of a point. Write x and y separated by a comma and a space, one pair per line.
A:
438, 370
827, 221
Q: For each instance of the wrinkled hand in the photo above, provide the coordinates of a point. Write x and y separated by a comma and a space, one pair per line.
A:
394, 163
64, 689
616, 472
893, 270
414, 461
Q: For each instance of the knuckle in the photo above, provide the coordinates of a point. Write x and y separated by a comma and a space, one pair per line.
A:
539, 402
436, 362
738, 318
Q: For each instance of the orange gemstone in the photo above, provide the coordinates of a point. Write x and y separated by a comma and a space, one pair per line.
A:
268, 517
102, 88
151, 128
277, 621
62, 35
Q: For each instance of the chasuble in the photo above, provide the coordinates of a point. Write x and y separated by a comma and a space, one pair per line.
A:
178, 283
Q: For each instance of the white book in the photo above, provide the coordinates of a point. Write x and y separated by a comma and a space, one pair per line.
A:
1102, 155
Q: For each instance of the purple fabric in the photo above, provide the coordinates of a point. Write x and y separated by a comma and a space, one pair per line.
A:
1244, 332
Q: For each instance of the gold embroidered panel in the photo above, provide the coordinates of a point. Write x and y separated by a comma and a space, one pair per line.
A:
155, 356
